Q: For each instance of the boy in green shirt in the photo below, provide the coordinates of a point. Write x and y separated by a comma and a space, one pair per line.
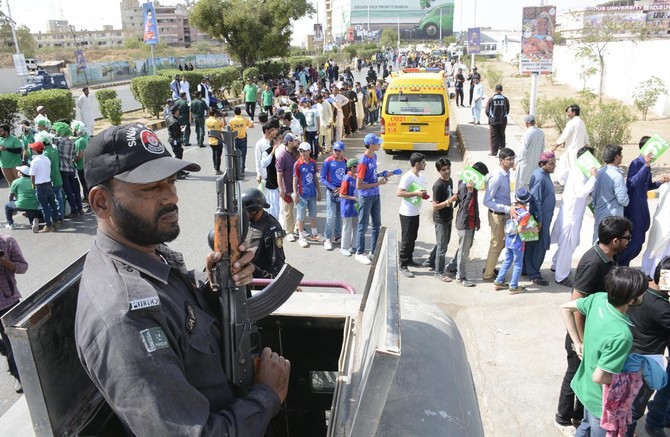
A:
607, 339
22, 197
267, 98
250, 98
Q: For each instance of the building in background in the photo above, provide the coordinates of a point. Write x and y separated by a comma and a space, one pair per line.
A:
172, 21
61, 35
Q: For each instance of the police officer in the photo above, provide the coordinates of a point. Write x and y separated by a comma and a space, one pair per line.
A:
146, 333
266, 233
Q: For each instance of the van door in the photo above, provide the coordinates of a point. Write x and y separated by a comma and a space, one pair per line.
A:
415, 121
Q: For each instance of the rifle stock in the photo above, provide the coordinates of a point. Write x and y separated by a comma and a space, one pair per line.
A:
237, 313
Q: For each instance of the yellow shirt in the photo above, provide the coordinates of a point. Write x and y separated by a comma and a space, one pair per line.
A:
240, 124
213, 123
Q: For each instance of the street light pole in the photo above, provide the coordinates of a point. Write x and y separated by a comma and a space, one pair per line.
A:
472, 55
13, 26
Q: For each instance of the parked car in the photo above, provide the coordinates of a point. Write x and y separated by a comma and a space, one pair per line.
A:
43, 81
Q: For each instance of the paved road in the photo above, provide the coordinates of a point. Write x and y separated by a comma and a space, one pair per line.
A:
514, 343
128, 102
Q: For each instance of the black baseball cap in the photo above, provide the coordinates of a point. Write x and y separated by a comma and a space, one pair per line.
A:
132, 153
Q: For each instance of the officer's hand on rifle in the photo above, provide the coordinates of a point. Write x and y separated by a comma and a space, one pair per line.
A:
273, 370
243, 269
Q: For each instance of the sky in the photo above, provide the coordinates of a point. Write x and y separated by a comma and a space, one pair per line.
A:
92, 14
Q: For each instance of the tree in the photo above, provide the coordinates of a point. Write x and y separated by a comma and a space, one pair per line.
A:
646, 94
253, 30
27, 43
132, 43
596, 36
389, 37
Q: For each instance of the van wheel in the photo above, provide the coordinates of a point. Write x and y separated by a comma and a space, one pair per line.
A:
388, 151
431, 29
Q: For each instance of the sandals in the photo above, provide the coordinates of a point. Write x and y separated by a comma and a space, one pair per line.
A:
540, 281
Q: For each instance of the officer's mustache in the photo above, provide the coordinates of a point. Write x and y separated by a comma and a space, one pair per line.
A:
166, 210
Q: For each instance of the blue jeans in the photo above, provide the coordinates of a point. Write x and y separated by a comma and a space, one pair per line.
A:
47, 200
333, 217
370, 207
60, 200
512, 258
437, 255
658, 407
306, 203
590, 426
241, 145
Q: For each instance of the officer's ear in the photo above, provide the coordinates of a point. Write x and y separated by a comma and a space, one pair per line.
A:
100, 200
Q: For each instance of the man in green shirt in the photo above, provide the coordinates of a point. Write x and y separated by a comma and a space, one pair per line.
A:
10, 153
267, 98
607, 339
184, 118
27, 138
198, 111
250, 98
22, 197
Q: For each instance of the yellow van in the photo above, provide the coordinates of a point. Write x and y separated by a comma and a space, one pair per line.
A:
415, 112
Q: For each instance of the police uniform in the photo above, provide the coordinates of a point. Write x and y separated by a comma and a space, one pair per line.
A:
268, 235
147, 338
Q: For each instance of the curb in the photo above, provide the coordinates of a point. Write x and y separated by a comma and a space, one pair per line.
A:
107, 85
160, 124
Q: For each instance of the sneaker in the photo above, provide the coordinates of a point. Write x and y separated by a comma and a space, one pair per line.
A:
36, 225
465, 283
361, 258
516, 290
565, 429
328, 245
290, 237
316, 238
345, 252
500, 285
405, 271
443, 278
9, 226
46, 229
303, 243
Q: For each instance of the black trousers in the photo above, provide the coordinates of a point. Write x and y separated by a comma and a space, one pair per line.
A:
459, 93
251, 109
216, 156
497, 137
409, 227
569, 406
472, 91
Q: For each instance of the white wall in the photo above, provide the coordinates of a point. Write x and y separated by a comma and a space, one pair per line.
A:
627, 63
9, 81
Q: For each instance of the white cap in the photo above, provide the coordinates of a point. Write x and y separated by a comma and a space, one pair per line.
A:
304, 146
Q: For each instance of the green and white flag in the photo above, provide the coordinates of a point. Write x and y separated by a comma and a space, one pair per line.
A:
413, 188
586, 162
470, 174
656, 146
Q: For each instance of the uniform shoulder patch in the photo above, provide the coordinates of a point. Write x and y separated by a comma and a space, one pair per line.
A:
141, 293
154, 339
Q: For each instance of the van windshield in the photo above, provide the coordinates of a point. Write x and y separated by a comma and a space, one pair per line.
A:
415, 104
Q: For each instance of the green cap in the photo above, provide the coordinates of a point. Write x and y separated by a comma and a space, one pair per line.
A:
352, 162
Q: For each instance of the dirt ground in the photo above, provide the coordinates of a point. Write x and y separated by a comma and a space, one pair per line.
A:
138, 116
515, 86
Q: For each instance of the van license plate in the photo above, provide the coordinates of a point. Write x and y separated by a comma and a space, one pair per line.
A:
415, 128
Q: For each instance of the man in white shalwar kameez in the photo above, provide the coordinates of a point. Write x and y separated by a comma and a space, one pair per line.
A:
85, 105
528, 155
568, 223
658, 241
574, 137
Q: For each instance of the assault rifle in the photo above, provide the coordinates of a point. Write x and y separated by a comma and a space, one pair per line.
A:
238, 311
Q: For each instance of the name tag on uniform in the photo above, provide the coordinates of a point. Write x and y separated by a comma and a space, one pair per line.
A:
154, 339
144, 303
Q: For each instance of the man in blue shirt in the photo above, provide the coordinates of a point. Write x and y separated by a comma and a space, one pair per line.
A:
638, 183
497, 200
609, 193
333, 171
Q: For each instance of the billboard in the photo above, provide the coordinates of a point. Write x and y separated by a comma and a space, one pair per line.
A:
318, 32
80, 60
417, 19
537, 39
150, 25
474, 40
